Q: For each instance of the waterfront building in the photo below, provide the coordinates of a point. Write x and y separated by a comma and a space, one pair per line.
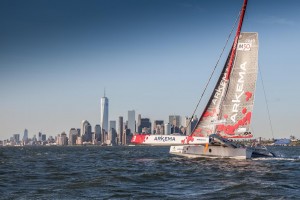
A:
89, 133
86, 131
167, 129
57, 139
190, 124
145, 126
94, 138
104, 113
79, 140
16, 139
104, 136
120, 130
194, 122
112, 133
25, 137
39, 136
62, 139
131, 121
138, 124
112, 125
175, 120
34, 140
158, 130
112, 137
126, 136
44, 137
158, 127
73, 133
51, 140
97, 132
83, 127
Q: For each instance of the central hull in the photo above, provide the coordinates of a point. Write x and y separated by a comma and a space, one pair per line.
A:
211, 151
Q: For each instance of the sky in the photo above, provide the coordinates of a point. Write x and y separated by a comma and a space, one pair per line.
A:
151, 56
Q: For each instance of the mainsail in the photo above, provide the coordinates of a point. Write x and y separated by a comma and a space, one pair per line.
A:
229, 110
237, 106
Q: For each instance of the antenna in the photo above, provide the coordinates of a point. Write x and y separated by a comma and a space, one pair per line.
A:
104, 91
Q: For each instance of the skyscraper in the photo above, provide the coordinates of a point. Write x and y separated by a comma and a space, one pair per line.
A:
16, 138
190, 124
120, 130
112, 125
167, 129
145, 126
86, 131
175, 120
104, 113
44, 137
72, 136
40, 136
112, 137
25, 136
158, 127
97, 132
138, 124
131, 120
62, 139
83, 124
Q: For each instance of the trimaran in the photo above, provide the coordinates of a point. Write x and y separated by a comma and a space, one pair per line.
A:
228, 112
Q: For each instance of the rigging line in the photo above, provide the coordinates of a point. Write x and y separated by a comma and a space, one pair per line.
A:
270, 122
211, 75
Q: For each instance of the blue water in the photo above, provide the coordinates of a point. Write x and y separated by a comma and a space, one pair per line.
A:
143, 173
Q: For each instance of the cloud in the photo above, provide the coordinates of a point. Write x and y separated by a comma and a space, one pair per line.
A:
277, 21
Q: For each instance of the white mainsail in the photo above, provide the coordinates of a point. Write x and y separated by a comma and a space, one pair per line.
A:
229, 109
237, 106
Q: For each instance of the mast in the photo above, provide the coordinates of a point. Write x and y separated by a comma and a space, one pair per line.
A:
236, 38
205, 125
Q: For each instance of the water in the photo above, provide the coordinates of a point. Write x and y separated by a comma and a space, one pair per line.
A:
143, 173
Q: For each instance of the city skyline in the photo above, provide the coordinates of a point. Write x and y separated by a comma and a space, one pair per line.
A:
151, 56
87, 134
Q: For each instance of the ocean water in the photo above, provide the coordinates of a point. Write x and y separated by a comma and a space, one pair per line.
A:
143, 173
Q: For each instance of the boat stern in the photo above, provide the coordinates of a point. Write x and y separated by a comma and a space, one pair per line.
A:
212, 151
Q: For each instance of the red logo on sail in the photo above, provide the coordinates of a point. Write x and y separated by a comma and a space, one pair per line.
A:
230, 129
248, 95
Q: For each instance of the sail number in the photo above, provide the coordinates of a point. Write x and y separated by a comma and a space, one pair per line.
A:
244, 46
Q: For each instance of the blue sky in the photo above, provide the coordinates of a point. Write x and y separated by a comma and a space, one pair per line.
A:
56, 58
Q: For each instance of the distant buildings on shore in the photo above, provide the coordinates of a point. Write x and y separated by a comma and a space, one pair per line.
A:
118, 132
107, 132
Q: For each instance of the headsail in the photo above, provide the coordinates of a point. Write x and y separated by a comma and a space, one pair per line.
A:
209, 118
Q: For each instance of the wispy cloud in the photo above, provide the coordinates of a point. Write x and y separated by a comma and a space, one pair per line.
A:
277, 21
